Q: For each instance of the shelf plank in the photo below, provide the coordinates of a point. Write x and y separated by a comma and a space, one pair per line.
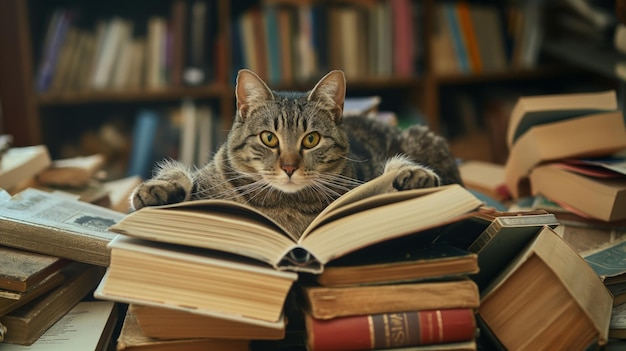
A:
171, 93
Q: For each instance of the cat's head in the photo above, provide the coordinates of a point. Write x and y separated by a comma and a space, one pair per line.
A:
289, 141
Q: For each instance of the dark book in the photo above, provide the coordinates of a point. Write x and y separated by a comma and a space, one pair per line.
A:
27, 323
22, 270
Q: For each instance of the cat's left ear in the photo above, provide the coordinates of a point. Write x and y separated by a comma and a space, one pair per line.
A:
250, 91
331, 91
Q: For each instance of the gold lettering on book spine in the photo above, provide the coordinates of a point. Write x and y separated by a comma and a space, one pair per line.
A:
440, 325
394, 330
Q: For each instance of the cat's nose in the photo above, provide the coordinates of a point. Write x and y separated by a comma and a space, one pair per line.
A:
289, 169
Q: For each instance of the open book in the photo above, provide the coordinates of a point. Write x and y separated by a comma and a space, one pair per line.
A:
362, 217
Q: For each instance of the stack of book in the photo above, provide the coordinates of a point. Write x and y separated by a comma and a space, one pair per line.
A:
570, 141
52, 256
224, 265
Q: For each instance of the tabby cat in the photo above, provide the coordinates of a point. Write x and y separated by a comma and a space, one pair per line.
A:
290, 154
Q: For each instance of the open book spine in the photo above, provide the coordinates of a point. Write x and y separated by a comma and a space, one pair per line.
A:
299, 259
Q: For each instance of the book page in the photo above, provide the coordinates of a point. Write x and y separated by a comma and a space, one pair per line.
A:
375, 193
58, 211
79, 330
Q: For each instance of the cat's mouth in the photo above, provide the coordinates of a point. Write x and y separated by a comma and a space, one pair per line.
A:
287, 184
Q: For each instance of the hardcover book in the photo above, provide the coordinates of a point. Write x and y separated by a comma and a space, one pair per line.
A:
57, 225
131, 338
531, 111
548, 298
596, 197
239, 229
591, 135
27, 323
169, 323
327, 303
390, 330
22, 163
207, 282
22, 270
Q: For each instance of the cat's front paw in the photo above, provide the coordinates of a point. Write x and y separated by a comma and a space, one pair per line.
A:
410, 175
173, 183
156, 192
415, 178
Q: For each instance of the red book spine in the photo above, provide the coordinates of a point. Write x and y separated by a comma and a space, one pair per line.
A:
389, 330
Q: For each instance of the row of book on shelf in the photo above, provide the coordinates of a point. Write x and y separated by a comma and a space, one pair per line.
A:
263, 288
473, 37
283, 42
121, 53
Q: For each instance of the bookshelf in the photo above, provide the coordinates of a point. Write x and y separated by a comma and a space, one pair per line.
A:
34, 116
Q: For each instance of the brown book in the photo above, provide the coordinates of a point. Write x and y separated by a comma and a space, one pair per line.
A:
531, 111
596, 197
20, 164
27, 323
600, 134
11, 300
617, 326
178, 25
131, 338
398, 261
72, 172
57, 225
327, 303
168, 323
485, 177
548, 298
21, 270
356, 216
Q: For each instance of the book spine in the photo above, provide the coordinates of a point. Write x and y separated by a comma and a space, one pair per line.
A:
390, 330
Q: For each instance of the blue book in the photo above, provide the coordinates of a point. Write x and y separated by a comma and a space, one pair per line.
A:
237, 48
457, 36
273, 45
59, 24
141, 159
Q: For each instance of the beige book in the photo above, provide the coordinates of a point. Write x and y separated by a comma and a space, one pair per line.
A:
350, 223
531, 111
548, 298
20, 164
598, 134
72, 172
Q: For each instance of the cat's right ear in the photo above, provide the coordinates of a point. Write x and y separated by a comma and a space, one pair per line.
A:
250, 91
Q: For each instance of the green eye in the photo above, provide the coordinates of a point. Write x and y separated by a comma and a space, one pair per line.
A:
269, 139
311, 140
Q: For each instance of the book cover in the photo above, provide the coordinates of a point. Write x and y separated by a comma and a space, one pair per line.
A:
11, 300
547, 298
350, 215
468, 31
390, 330
403, 40
21, 270
131, 338
591, 135
333, 302
531, 111
599, 198
608, 261
57, 225
399, 260
27, 323
169, 323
